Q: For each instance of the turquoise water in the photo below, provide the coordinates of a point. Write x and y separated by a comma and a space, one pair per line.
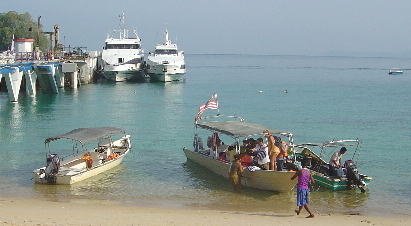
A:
328, 97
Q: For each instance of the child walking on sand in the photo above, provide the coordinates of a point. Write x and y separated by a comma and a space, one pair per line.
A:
304, 178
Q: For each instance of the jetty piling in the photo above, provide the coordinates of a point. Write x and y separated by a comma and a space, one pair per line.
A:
13, 81
70, 71
31, 78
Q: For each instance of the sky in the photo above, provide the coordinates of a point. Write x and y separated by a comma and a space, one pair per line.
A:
268, 27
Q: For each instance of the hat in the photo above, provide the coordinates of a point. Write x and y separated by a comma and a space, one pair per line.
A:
266, 132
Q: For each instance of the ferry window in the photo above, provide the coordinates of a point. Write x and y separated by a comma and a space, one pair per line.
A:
165, 51
122, 46
120, 60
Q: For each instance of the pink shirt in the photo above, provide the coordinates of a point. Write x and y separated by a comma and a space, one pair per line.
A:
303, 179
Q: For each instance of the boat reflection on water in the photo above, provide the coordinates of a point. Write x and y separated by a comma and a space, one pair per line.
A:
219, 194
345, 202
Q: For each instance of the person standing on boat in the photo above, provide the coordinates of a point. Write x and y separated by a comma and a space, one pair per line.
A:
303, 191
335, 162
261, 154
273, 150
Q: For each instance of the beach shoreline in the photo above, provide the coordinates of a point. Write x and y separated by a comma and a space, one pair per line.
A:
101, 212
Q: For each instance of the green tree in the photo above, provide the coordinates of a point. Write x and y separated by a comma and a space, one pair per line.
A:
22, 26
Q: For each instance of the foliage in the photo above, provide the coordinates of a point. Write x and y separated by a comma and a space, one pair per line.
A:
22, 26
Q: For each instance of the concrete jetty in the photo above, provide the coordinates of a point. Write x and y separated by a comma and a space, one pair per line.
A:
48, 76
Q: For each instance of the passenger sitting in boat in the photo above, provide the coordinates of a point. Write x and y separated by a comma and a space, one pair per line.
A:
213, 142
222, 156
230, 153
198, 143
251, 143
281, 158
335, 162
243, 147
246, 159
261, 154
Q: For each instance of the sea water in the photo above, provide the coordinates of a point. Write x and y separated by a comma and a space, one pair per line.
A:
327, 98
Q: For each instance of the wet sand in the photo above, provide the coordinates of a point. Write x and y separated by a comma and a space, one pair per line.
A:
86, 212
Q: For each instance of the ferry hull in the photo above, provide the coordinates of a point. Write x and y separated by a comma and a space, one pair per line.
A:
279, 181
166, 77
123, 72
165, 72
122, 76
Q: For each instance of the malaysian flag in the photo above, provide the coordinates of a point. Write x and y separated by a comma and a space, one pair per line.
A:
212, 103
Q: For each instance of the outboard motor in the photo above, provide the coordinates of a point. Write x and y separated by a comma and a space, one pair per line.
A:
353, 176
52, 168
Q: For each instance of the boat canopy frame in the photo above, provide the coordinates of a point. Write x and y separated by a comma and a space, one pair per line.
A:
237, 128
334, 143
85, 135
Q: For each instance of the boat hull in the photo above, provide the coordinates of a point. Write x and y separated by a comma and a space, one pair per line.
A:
166, 77
165, 72
81, 175
395, 73
279, 181
335, 184
122, 76
124, 72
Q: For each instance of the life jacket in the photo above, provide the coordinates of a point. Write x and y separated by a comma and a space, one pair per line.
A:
283, 150
246, 160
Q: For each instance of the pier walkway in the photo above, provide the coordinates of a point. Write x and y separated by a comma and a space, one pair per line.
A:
50, 76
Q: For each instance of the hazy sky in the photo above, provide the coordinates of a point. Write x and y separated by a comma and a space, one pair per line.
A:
301, 27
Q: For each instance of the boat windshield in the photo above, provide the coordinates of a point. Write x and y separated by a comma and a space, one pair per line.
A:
165, 51
122, 46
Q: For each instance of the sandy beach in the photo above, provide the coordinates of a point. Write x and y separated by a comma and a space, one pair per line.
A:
41, 212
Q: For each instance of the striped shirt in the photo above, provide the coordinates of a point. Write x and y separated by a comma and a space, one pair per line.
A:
262, 154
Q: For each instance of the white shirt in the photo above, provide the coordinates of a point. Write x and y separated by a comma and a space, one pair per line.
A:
262, 148
336, 158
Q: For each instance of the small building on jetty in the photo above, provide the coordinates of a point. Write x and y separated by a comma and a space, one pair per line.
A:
25, 68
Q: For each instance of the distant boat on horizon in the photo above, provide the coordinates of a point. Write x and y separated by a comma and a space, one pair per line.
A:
395, 71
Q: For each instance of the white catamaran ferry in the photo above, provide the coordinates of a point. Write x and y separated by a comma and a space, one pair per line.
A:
122, 56
83, 163
166, 63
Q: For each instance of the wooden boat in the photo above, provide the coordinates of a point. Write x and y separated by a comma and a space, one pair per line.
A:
321, 171
83, 163
279, 181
